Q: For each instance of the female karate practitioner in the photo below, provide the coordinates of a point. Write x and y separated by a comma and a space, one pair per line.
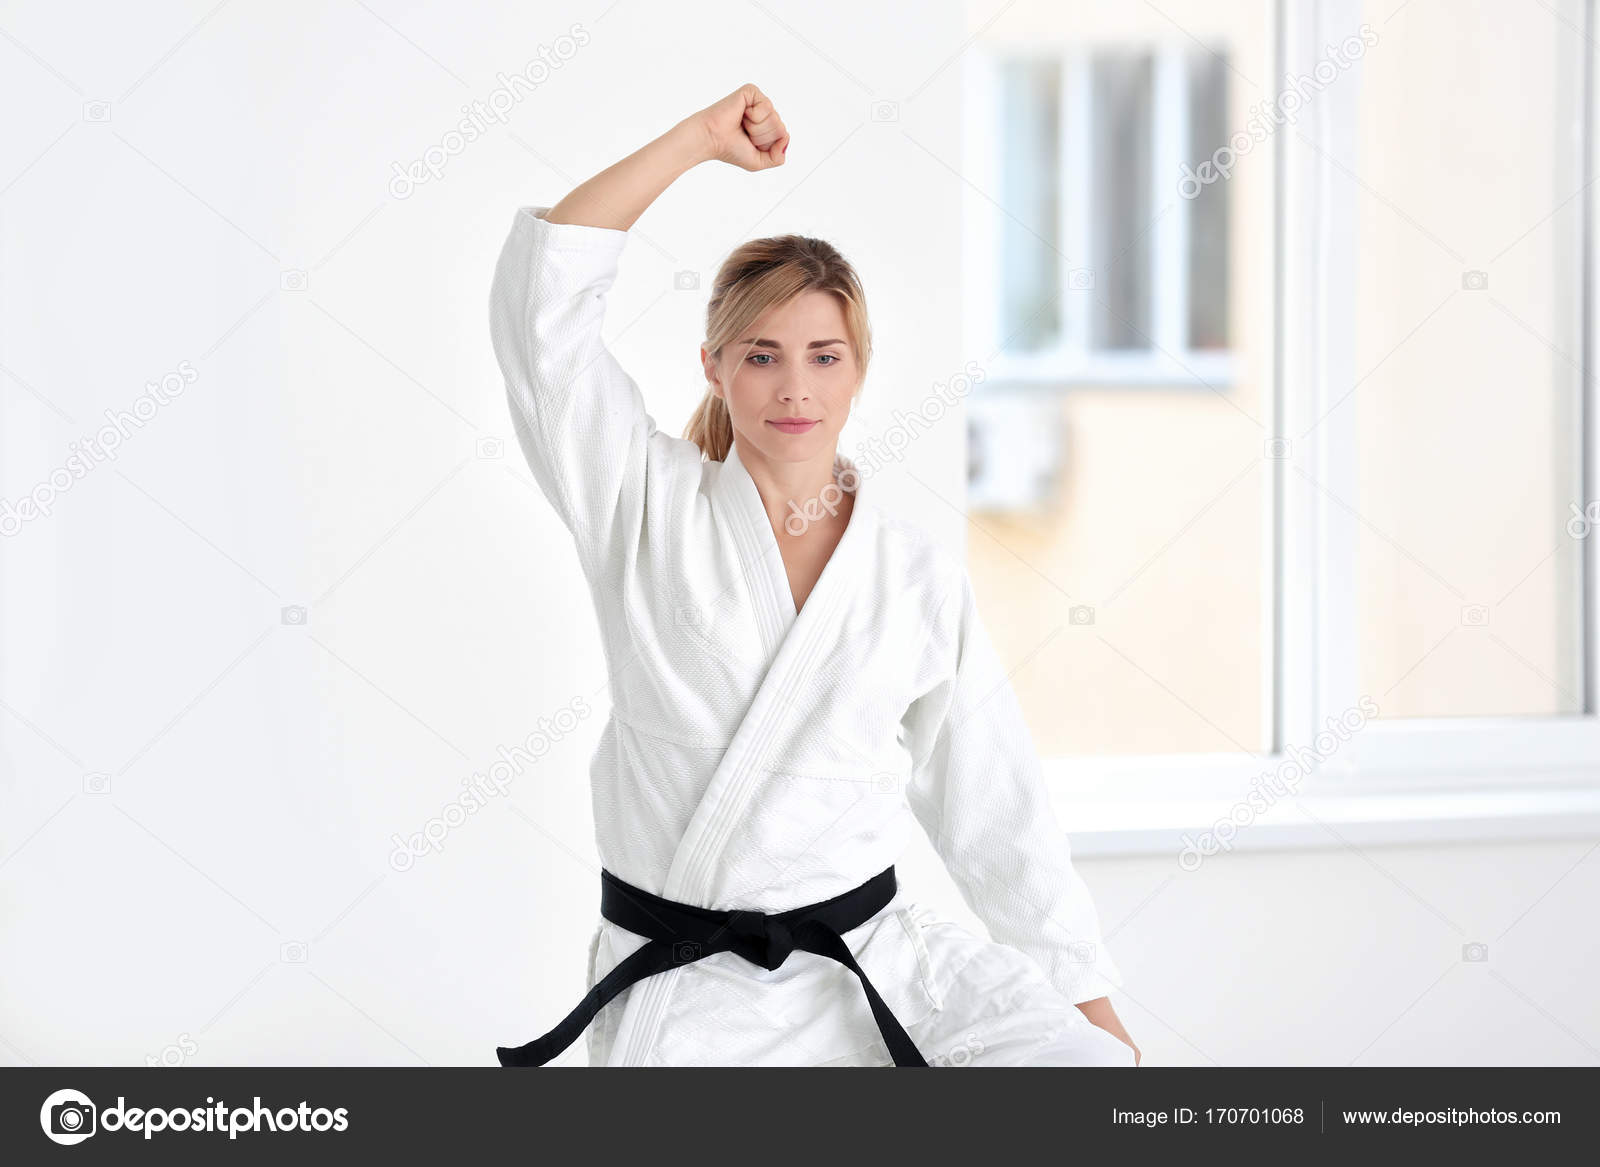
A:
795, 675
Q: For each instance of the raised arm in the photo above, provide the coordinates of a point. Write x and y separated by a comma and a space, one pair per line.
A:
742, 129
579, 417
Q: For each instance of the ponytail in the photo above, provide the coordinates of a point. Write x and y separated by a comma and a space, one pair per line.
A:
710, 427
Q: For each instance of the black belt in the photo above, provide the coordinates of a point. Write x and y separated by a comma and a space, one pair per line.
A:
682, 934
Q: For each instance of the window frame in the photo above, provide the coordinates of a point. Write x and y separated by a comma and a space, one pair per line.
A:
1397, 781
1169, 361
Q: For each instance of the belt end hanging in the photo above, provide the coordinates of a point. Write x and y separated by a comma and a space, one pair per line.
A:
519, 1056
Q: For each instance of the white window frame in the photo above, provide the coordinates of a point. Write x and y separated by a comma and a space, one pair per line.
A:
1169, 362
1415, 780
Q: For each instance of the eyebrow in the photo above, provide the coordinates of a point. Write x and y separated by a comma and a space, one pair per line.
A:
763, 342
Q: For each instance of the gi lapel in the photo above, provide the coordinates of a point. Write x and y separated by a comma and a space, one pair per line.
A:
795, 641
798, 639
742, 515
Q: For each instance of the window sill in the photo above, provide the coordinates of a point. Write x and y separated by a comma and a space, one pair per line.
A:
1174, 828
1157, 369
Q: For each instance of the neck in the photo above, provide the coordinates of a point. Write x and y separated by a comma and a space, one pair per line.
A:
800, 497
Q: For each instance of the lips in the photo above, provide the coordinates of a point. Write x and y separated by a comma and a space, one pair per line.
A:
792, 425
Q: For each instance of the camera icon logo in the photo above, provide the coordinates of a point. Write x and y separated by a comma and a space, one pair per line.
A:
1476, 953
1080, 614
885, 111
68, 1117
293, 614
1474, 281
97, 111
686, 281
490, 448
292, 280
1080, 279
292, 952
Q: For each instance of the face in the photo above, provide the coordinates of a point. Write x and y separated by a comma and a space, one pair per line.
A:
794, 366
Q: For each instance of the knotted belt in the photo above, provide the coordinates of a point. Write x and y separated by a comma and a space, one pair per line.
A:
680, 934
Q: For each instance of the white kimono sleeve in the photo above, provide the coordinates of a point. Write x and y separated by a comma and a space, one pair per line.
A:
978, 791
578, 416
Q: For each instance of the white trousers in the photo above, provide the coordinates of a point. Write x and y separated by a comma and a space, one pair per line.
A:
996, 1008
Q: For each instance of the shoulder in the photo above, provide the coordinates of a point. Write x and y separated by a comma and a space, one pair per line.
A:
912, 553
679, 456
677, 473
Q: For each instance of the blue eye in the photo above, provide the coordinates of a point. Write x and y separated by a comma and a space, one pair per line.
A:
762, 360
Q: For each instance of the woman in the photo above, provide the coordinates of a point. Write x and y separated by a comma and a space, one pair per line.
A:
796, 677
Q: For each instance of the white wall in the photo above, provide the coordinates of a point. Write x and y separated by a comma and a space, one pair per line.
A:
326, 454
1354, 955
197, 799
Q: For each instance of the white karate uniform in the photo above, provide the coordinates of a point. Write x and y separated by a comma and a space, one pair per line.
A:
756, 758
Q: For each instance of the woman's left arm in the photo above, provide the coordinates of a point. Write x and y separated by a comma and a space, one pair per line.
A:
979, 793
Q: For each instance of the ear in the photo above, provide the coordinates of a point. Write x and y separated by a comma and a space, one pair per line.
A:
712, 378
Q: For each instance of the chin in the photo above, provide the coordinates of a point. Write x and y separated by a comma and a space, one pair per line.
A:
803, 449
796, 448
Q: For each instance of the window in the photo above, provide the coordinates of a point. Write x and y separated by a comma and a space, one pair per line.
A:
1104, 270
1378, 511
1115, 445
1441, 421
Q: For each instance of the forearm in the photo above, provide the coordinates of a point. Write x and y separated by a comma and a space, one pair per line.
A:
1100, 1012
619, 194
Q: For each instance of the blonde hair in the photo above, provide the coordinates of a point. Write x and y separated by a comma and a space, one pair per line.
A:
756, 277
